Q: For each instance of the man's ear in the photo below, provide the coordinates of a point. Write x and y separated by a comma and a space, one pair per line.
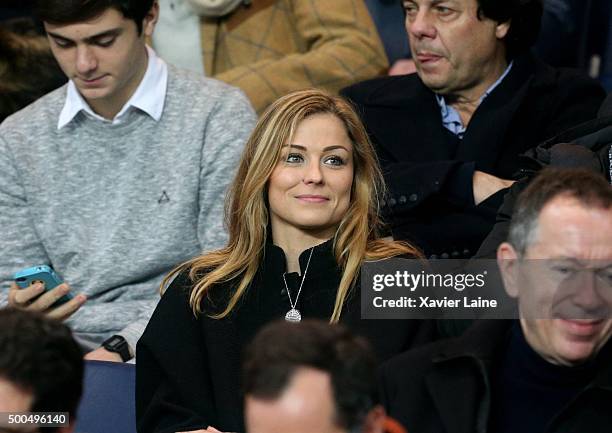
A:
375, 420
502, 29
507, 260
150, 19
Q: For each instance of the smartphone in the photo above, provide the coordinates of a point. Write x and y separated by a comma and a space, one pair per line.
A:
43, 274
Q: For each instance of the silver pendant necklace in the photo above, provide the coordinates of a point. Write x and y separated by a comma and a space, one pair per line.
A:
293, 315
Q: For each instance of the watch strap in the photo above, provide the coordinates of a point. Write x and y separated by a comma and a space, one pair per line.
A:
118, 344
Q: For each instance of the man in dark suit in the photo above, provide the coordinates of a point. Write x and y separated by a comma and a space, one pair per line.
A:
551, 370
449, 136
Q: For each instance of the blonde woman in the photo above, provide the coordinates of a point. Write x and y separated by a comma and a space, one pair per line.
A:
302, 215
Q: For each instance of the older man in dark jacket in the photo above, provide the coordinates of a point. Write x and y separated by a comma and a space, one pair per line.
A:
449, 136
550, 371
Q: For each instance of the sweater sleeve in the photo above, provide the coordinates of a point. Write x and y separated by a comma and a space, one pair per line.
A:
172, 374
341, 47
20, 244
221, 152
227, 131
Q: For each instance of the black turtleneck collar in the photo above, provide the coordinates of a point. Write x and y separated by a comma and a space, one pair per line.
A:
528, 391
322, 258
535, 368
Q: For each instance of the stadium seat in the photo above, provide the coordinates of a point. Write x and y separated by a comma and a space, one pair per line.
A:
108, 403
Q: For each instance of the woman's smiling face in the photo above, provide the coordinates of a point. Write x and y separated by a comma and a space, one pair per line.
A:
310, 187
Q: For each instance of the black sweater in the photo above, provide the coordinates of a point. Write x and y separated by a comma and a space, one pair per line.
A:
188, 369
527, 391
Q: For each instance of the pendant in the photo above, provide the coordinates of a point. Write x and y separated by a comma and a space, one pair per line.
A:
293, 315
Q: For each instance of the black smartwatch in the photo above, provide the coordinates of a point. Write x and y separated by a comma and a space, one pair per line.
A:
117, 344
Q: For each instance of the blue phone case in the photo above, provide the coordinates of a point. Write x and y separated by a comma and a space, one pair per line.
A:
42, 273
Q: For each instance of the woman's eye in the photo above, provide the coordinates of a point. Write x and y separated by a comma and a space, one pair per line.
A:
334, 160
294, 158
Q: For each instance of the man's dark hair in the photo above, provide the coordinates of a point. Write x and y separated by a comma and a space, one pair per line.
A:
589, 188
281, 348
525, 17
40, 356
73, 11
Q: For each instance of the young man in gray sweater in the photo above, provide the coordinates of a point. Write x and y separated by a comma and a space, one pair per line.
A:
116, 177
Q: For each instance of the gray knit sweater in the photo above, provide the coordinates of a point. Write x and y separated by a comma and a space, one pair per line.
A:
114, 207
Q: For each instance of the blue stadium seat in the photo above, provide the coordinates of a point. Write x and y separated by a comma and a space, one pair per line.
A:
108, 403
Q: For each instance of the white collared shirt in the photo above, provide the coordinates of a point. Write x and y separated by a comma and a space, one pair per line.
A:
149, 96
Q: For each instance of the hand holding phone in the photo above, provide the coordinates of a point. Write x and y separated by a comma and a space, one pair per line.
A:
39, 288
41, 274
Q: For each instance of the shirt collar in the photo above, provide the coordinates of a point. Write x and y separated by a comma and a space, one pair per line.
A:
495, 84
149, 96
450, 117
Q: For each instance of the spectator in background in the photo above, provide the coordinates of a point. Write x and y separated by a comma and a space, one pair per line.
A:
550, 371
28, 69
565, 33
16, 9
449, 136
311, 377
41, 367
573, 31
116, 177
271, 47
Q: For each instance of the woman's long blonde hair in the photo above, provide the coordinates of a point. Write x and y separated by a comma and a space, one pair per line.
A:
247, 214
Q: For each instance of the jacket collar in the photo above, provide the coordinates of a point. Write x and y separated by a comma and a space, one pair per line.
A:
322, 258
478, 347
492, 119
481, 341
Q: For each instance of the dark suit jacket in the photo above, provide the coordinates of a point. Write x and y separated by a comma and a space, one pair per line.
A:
445, 387
429, 171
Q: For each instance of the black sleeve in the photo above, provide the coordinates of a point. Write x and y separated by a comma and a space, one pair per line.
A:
499, 234
411, 183
172, 372
578, 100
